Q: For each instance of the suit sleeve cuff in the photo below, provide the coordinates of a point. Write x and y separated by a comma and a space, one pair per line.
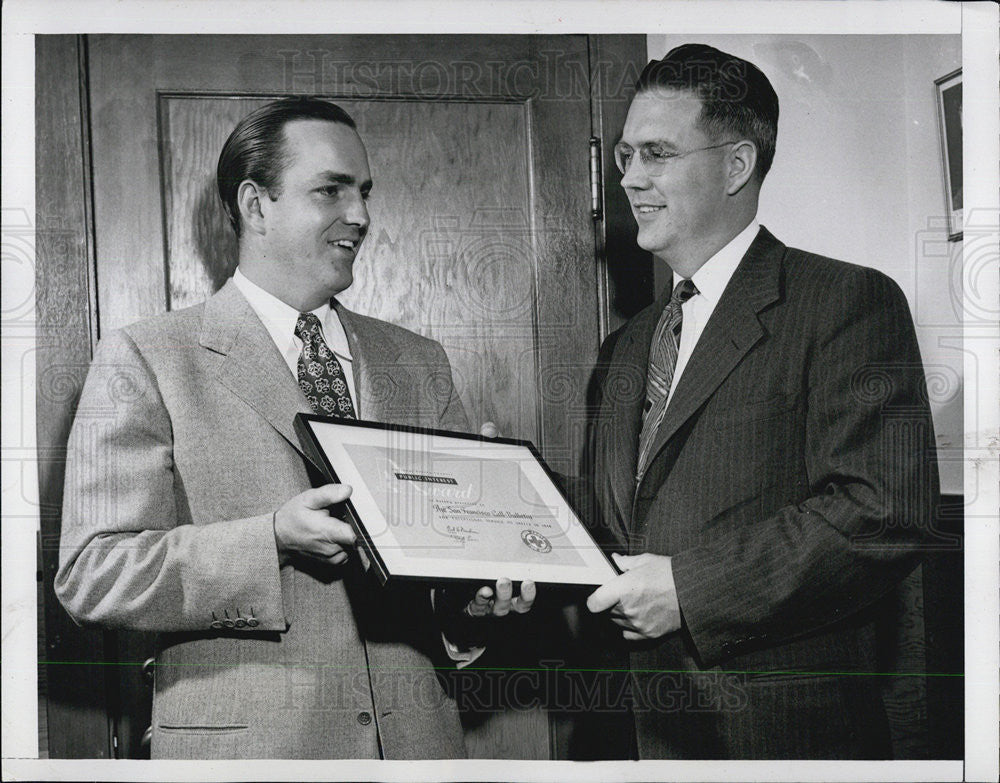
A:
260, 604
693, 597
462, 655
462, 658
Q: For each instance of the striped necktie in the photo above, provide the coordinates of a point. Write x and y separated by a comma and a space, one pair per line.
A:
320, 375
662, 360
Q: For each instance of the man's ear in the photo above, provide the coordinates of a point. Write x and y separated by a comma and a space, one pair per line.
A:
250, 198
742, 163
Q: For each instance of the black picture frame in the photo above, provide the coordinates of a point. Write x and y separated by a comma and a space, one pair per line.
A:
390, 564
949, 103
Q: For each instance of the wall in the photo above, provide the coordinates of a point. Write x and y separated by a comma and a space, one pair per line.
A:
858, 176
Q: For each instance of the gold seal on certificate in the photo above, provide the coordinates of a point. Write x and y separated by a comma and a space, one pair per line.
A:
440, 506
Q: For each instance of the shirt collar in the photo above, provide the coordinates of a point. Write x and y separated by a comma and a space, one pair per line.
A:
713, 276
272, 311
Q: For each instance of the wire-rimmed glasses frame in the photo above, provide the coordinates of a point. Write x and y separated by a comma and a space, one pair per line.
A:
654, 163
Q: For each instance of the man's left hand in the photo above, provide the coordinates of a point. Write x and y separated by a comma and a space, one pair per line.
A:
466, 623
501, 601
643, 600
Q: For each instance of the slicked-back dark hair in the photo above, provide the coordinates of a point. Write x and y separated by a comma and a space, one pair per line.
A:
256, 150
736, 97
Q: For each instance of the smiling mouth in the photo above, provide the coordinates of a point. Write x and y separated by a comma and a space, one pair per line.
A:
646, 209
347, 244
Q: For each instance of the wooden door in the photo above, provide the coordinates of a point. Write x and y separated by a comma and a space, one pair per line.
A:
482, 234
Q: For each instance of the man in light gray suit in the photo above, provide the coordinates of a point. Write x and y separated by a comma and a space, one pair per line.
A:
191, 509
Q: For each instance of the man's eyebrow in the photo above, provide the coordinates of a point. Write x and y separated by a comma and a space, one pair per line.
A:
658, 142
342, 179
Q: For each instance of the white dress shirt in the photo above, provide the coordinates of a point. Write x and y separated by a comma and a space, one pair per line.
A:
279, 320
710, 280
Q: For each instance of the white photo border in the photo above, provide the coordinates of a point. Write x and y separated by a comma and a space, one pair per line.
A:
977, 23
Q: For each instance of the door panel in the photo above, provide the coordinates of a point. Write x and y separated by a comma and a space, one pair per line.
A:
481, 230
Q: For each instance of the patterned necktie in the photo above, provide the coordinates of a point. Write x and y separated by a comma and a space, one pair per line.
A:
321, 377
662, 360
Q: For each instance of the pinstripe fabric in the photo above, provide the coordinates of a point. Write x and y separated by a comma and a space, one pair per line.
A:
792, 482
660, 373
181, 452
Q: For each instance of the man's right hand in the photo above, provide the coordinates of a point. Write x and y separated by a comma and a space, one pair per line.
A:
304, 525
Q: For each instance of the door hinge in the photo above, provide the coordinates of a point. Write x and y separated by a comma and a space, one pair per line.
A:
596, 180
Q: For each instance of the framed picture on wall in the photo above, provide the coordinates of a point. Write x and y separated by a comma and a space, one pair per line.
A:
949, 100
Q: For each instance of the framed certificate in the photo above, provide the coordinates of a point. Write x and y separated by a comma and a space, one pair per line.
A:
445, 506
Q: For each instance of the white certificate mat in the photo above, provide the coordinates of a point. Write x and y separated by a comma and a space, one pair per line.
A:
435, 505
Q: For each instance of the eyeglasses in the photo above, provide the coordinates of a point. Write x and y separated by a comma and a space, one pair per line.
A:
654, 156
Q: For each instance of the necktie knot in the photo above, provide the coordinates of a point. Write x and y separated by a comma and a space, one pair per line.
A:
307, 325
683, 291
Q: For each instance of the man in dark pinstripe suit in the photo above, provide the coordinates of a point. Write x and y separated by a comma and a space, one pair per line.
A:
762, 448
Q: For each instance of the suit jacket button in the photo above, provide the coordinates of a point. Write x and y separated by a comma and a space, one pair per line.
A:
239, 622
253, 622
227, 623
364, 718
217, 624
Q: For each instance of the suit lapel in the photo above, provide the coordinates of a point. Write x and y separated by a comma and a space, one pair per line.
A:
379, 378
630, 358
253, 368
730, 333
